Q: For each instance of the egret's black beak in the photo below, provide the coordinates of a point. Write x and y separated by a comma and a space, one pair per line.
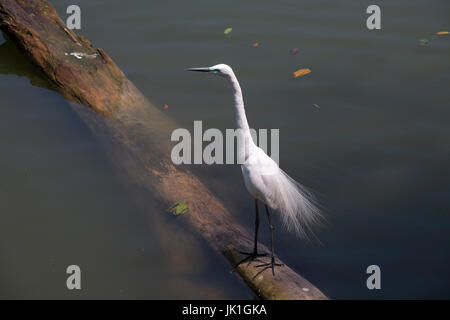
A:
198, 69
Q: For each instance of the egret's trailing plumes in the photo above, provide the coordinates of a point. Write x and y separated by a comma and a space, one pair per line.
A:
265, 180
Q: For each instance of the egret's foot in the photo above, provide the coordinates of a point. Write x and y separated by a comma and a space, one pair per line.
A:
250, 256
268, 265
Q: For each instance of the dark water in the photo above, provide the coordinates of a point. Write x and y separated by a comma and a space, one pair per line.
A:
376, 152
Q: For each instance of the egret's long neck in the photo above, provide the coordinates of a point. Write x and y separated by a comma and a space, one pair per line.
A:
241, 118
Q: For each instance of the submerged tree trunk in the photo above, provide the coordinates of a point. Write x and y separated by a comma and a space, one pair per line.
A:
116, 111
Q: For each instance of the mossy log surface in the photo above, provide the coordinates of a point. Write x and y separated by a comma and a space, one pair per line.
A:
141, 133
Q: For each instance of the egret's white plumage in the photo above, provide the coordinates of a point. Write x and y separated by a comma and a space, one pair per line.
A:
268, 183
263, 178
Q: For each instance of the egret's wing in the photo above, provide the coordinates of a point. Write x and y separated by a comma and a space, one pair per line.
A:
268, 170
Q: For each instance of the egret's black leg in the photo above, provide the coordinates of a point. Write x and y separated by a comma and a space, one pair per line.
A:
255, 249
253, 255
272, 263
271, 231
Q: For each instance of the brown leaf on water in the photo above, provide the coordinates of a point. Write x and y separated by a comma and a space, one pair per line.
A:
166, 106
301, 72
316, 106
441, 33
294, 51
255, 44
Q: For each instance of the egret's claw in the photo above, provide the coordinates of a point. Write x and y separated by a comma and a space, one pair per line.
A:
251, 256
268, 265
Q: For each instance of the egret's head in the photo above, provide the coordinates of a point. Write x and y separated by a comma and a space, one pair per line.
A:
219, 69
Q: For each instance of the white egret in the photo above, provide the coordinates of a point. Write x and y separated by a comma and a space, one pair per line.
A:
265, 181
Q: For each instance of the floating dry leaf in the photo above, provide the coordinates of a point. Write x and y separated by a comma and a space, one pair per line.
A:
316, 106
228, 30
294, 51
440, 33
166, 106
255, 44
301, 72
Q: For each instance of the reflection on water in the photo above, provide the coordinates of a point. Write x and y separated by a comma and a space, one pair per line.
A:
376, 152
12, 62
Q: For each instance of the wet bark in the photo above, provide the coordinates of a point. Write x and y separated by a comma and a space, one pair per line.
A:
137, 136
